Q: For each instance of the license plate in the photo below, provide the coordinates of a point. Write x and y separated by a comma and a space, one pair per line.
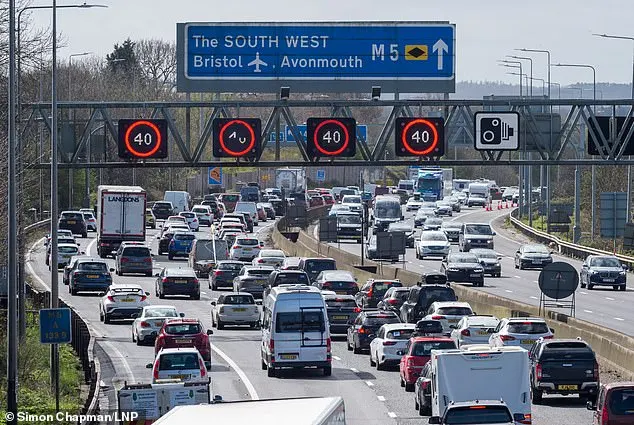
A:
474, 275
288, 356
340, 317
71, 222
340, 292
159, 323
92, 276
184, 341
526, 341
127, 300
239, 309
452, 320
609, 280
179, 376
483, 333
246, 249
180, 281
567, 387
537, 261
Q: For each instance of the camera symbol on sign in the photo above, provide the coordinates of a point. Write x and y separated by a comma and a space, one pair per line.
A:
494, 131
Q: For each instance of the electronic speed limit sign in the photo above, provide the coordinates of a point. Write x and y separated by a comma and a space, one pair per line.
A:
236, 137
331, 137
142, 138
420, 137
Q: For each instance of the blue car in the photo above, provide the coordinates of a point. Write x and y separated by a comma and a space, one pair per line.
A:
180, 245
89, 275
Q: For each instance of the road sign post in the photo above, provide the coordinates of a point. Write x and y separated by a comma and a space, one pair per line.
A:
55, 326
557, 281
406, 57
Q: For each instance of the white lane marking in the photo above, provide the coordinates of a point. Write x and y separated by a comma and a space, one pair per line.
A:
391, 415
589, 311
609, 299
126, 366
509, 291
619, 319
583, 293
380, 398
534, 297
30, 267
369, 383
249, 386
517, 277
90, 245
354, 370
336, 357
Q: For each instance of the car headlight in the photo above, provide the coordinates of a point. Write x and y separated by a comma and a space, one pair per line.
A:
478, 270
622, 273
451, 269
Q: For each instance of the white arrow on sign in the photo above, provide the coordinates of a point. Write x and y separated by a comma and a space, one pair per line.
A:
441, 47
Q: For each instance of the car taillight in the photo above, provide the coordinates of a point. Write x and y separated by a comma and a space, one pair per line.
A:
465, 332
605, 415
357, 310
236, 246
260, 260
507, 338
328, 345
596, 370
196, 281
363, 330
143, 298
217, 273
538, 372
203, 369
144, 324
156, 369
148, 260
110, 298
425, 384
124, 260
76, 273
272, 346
370, 292
525, 418
165, 280
389, 343
437, 317
392, 301
410, 362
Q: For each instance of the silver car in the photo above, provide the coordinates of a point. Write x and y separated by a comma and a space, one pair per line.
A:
474, 330
269, 257
234, 308
147, 325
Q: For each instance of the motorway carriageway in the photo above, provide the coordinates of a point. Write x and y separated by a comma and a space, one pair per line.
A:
372, 397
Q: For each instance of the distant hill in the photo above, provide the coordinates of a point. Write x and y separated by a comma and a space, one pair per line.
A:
478, 89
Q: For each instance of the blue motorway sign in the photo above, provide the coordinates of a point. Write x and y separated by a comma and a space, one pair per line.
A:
362, 132
316, 57
214, 176
55, 326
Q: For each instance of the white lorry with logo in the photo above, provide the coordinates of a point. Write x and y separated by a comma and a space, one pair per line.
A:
120, 217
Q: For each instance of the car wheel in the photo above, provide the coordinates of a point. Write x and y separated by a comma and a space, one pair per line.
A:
139, 341
590, 286
355, 349
106, 319
623, 287
401, 381
133, 338
348, 346
270, 372
615, 287
196, 296
583, 285
521, 266
263, 364
170, 256
379, 365
84, 235
536, 396
417, 405
161, 295
219, 324
328, 371
372, 362
72, 289
100, 316
409, 387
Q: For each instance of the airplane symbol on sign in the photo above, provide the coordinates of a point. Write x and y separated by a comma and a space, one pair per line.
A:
257, 62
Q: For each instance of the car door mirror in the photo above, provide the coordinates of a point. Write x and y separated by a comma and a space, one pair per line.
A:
156, 274
258, 302
434, 420
213, 302
493, 233
624, 266
149, 366
181, 314
590, 405
518, 252
584, 266
102, 294
552, 331
147, 294
210, 332
82, 252
111, 270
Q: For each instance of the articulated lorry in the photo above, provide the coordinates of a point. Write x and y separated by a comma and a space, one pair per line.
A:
433, 184
290, 179
120, 217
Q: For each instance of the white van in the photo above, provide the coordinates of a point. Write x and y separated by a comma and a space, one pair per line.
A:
248, 207
295, 330
179, 199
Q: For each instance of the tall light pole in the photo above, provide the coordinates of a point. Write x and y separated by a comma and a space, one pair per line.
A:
520, 73
70, 66
629, 167
530, 71
594, 97
518, 64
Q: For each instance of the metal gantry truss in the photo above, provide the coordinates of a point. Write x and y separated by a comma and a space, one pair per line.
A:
459, 119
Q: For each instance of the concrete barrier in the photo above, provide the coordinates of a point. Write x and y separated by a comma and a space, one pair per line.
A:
615, 349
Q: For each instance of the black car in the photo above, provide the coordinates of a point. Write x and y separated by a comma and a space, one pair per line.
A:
532, 256
421, 297
564, 366
490, 261
422, 396
177, 281
341, 309
603, 270
73, 221
224, 273
364, 328
314, 266
164, 242
287, 277
248, 220
252, 279
393, 299
162, 209
278, 206
463, 267
373, 291
429, 327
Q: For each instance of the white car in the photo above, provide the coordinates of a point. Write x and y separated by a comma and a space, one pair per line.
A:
147, 325
204, 214
432, 223
353, 202
474, 330
236, 227
173, 227
432, 243
122, 301
520, 332
174, 219
91, 221
192, 220
234, 308
185, 364
413, 204
64, 253
448, 313
391, 339
244, 248
443, 208
61, 233
269, 257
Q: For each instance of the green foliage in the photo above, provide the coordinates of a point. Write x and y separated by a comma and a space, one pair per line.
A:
123, 58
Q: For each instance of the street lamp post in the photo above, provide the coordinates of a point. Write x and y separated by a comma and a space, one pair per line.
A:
629, 167
594, 97
71, 172
514, 64
530, 71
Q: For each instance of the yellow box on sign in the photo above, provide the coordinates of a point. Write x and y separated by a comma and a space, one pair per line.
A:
416, 52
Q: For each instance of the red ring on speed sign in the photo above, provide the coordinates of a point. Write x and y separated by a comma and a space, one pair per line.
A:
346, 138
434, 142
222, 140
157, 133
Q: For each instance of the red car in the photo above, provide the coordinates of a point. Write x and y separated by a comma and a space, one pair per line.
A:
317, 201
417, 353
328, 198
184, 332
261, 212
229, 200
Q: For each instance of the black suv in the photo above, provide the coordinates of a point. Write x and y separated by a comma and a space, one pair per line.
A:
373, 291
563, 366
73, 221
363, 330
162, 209
287, 277
421, 297
605, 270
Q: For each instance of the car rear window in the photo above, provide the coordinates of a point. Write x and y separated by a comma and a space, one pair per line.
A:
178, 361
72, 216
437, 294
622, 401
455, 311
160, 312
338, 302
300, 321
188, 214
316, 266
567, 354
341, 284
183, 329
67, 249
136, 252
377, 321
527, 328
229, 266
291, 278
183, 237
260, 272
230, 198
474, 415
239, 299
247, 242
88, 215
400, 334
92, 267
200, 210
424, 348
162, 205
380, 288
400, 295
272, 253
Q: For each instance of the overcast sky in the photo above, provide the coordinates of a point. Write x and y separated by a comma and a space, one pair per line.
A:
487, 30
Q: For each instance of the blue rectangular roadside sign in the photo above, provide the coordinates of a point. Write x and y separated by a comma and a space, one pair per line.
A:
410, 57
55, 326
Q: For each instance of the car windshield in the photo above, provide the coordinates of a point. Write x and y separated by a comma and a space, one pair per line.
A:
160, 312
401, 295
349, 219
605, 262
291, 278
424, 348
341, 302
478, 229
188, 214
622, 402
230, 198
540, 249
402, 334
67, 249
455, 311
136, 251
178, 361
433, 236
300, 321
451, 225
183, 329
527, 328
387, 209
474, 415
462, 259
93, 267
485, 322
239, 299
230, 266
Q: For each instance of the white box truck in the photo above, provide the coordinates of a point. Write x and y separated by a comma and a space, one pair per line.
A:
120, 217
481, 373
290, 179
296, 411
